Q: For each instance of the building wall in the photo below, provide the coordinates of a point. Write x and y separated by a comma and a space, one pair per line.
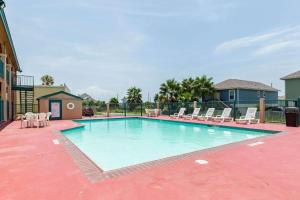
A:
7, 71
42, 90
292, 89
248, 95
76, 113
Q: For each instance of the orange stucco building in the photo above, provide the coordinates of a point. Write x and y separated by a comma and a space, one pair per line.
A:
9, 67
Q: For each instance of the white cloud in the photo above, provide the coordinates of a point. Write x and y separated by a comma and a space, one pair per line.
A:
277, 46
263, 44
97, 92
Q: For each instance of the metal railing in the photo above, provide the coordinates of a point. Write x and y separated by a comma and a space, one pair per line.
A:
23, 81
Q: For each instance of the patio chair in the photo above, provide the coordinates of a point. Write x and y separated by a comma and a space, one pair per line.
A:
224, 117
27, 119
150, 112
193, 115
48, 118
249, 118
40, 119
209, 114
179, 114
157, 112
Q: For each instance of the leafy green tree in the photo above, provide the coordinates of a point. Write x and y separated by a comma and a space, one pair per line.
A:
88, 103
169, 91
134, 97
47, 80
114, 101
99, 103
186, 96
203, 86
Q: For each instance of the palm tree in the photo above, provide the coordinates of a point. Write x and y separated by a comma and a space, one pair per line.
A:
186, 92
134, 97
47, 80
187, 85
170, 90
203, 87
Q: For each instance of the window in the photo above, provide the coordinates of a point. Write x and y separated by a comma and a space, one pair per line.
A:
264, 94
258, 94
231, 95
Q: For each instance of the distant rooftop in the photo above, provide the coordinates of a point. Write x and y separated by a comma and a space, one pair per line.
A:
292, 76
243, 84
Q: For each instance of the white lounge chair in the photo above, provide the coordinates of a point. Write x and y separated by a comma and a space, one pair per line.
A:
193, 115
209, 114
179, 114
249, 118
224, 117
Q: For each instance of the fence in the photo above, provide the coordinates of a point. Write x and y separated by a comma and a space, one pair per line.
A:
274, 109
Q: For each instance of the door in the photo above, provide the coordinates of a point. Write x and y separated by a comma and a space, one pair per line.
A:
55, 107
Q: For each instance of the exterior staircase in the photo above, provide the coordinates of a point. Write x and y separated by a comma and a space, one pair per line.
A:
24, 87
26, 101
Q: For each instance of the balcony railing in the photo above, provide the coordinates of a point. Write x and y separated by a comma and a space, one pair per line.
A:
22, 82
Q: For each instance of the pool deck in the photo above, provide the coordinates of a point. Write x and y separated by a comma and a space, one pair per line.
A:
33, 167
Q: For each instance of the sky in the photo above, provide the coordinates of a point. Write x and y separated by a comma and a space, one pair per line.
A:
104, 47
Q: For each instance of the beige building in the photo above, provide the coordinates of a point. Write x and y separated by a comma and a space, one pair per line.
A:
42, 90
27, 102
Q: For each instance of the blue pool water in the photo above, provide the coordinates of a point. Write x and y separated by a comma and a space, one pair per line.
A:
117, 143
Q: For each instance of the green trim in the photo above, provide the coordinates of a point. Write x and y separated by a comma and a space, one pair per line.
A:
60, 109
6, 27
1, 69
60, 92
7, 77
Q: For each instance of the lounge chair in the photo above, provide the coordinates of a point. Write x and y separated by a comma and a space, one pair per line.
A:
224, 117
193, 115
209, 114
179, 114
249, 117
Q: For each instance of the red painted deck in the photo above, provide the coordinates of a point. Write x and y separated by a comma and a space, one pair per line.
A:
32, 167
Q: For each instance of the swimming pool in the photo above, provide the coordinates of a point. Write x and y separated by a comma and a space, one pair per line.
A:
117, 143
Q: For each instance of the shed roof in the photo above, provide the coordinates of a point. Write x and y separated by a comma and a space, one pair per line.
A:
292, 76
243, 84
60, 92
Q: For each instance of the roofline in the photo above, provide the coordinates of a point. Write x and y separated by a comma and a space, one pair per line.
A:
50, 86
59, 92
287, 78
7, 31
231, 88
